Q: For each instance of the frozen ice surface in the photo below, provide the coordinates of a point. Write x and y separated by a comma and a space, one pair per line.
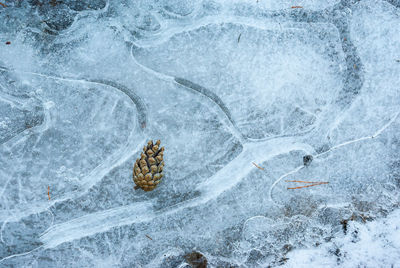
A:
223, 85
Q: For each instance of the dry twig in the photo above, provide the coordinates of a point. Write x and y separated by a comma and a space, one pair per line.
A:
48, 191
3, 5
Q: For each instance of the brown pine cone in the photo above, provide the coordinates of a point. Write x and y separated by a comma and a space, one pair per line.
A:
148, 169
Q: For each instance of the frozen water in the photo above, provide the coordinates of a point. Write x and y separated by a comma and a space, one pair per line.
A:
253, 101
238, 92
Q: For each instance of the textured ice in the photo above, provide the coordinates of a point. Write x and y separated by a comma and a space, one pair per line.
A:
226, 86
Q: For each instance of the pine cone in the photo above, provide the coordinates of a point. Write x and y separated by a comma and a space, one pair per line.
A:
147, 171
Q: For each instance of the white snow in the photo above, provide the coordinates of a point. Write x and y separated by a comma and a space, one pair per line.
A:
375, 244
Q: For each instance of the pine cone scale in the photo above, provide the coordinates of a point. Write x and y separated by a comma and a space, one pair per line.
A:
147, 170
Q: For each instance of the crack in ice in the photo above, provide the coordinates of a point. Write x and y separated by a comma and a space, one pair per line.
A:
376, 134
143, 211
116, 159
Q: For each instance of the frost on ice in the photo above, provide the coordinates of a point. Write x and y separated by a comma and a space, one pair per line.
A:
224, 84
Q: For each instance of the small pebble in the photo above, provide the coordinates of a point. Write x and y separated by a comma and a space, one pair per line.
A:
307, 159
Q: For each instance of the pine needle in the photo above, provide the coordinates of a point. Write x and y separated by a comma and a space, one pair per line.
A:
305, 186
257, 166
149, 237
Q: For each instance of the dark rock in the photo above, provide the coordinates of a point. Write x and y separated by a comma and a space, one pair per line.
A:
196, 259
307, 159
